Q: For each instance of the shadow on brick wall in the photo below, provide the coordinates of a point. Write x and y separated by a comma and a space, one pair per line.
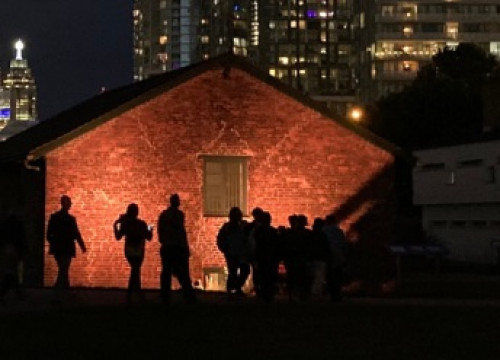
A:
370, 264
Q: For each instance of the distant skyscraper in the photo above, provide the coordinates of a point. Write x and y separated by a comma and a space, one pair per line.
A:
166, 35
225, 27
150, 38
310, 46
169, 34
21, 85
18, 97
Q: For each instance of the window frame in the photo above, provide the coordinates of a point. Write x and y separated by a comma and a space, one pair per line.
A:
243, 185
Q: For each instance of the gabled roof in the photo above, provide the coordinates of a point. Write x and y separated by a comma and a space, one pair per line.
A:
36, 141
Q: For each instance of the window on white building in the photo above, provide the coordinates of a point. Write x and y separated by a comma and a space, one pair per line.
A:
470, 163
432, 166
451, 178
458, 223
490, 175
438, 223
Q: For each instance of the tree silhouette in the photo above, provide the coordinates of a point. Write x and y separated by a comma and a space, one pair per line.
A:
442, 106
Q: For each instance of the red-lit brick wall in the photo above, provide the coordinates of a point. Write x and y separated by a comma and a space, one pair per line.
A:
300, 162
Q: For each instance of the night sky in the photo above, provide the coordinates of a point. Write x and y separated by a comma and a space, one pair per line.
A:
74, 47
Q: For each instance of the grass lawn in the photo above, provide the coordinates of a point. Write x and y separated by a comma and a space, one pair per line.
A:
254, 331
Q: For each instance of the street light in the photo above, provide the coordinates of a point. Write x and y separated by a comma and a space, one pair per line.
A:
356, 114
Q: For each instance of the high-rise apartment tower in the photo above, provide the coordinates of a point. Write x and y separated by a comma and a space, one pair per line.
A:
309, 44
399, 37
169, 34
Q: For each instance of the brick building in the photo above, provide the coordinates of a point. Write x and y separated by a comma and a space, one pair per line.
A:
218, 133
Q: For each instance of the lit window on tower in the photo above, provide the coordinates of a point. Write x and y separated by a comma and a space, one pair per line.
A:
452, 30
163, 40
407, 30
283, 60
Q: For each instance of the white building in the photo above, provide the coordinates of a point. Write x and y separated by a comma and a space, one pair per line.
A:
458, 189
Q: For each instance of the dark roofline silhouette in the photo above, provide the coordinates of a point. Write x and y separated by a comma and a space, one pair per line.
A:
36, 141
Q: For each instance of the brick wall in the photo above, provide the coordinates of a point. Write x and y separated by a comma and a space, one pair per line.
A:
300, 162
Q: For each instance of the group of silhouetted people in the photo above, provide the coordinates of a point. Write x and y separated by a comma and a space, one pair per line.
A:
174, 251
62, 233
311, 257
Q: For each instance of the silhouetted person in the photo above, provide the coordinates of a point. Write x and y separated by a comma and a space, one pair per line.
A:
282, 278
257, 214
174, 250
232, 242
136, 232
12, 248
266, 257
289, 253
62, 232
297, 243
249, 227
320, 251
337, 257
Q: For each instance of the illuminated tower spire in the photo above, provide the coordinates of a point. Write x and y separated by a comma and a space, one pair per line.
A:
19, 46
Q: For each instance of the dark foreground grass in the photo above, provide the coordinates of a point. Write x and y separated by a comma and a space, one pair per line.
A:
254, 331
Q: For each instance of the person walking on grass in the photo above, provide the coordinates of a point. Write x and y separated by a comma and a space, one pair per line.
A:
232, 241
136, 232
174, 251
62, 232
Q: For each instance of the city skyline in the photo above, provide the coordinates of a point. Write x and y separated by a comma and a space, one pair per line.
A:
74, 49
